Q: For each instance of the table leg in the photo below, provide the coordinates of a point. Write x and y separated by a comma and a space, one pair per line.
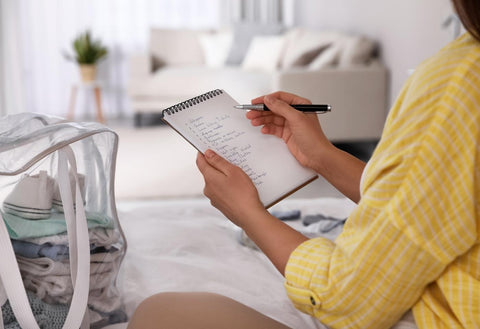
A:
98, 100
73, 98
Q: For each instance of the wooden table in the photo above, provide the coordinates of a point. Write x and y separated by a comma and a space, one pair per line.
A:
94, 86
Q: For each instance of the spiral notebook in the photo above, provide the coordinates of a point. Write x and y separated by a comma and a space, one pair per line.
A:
210, 121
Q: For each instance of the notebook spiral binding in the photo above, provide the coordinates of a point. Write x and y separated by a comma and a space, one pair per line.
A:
191, 102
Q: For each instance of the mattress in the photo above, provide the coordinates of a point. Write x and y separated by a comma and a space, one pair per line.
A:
187, 245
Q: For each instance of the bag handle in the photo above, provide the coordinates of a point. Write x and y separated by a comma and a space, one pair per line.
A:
77, 231
79, 245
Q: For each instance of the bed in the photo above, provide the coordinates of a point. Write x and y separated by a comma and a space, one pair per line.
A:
187, 245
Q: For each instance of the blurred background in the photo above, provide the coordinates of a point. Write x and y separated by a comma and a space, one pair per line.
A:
354, 54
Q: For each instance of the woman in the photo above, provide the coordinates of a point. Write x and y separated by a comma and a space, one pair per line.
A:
412, 243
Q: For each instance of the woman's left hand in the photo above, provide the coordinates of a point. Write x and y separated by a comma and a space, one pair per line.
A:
229, 189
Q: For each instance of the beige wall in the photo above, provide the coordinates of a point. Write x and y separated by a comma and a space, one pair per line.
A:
409, 30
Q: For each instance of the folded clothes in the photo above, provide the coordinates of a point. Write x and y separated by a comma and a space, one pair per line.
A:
55, 252
286, 214
47, 315
105, 300
311, 219
99, 236
324, 226
59, 289
314, 226
45, 266
20, 228
99, 319
52, 316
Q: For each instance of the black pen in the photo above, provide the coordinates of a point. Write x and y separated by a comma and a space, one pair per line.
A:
309, 108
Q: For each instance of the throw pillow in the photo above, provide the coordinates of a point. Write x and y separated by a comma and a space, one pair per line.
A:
264, 53
242, 36
305, 45
215, 47
329, 57
356, 50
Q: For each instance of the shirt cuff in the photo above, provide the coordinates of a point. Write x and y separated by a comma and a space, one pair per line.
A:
308, 262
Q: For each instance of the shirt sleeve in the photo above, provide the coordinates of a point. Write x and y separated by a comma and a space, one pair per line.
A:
417, 214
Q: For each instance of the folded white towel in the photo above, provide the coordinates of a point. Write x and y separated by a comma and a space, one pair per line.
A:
44, 266
51, 281
59, 289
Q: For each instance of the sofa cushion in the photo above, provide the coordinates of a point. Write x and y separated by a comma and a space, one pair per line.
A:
304, 45
243, 34
216, 46
356, 50
327, 58
264, 53
180, 83
175, 47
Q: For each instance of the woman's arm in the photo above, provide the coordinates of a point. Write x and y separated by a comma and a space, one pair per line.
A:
276, 239
343, 171
232, 192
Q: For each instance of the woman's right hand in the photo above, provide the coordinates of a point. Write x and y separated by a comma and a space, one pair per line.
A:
301, 131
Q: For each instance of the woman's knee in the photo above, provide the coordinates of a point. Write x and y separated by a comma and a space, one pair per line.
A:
174, 310
150, 311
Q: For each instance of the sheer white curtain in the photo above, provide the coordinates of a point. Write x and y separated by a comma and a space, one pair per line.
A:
35, 33
11, 84
34, 75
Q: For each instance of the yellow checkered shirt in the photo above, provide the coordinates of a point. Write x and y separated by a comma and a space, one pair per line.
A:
413, 240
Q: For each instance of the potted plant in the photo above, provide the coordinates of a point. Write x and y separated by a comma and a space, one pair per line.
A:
87, 53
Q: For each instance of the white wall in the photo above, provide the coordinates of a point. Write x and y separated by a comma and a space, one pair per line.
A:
408, 30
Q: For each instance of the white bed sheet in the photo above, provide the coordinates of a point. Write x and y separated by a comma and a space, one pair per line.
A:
187, 245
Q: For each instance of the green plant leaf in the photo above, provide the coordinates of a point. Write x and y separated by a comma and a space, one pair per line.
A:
87, 50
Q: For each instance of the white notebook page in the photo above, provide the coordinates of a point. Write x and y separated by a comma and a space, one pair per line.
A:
216, 124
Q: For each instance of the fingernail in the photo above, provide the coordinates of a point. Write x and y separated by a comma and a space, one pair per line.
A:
209, 153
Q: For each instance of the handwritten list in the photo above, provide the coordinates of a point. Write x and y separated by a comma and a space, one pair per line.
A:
226, 140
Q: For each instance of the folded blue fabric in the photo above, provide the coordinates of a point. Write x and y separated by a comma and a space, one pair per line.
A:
286, 214
21, 228
57, 252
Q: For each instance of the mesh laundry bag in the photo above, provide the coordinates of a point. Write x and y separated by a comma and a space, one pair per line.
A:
61, 244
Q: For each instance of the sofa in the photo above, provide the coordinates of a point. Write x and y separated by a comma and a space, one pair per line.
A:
324, 66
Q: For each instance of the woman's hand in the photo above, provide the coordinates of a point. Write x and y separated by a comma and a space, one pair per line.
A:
229, 189
301, 131
306, 141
